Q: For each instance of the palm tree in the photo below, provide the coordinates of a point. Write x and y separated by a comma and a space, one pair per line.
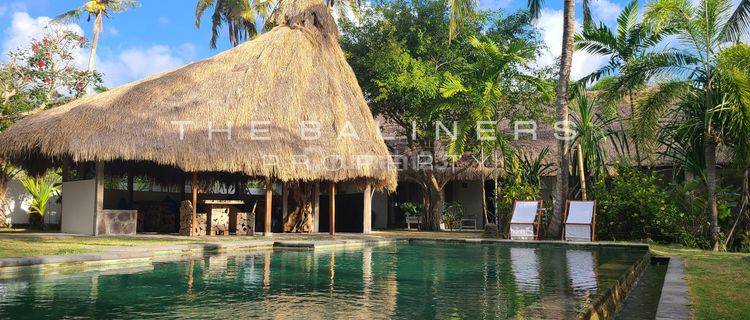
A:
239, 16
566, 61
98, 9
631, 41
705, 31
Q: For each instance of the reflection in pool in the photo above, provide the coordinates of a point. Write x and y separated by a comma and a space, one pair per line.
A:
426, 280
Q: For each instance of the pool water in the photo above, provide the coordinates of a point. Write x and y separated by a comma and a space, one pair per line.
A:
405, 281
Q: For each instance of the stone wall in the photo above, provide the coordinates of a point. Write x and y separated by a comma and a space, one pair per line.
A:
245, 223
117, 222
611, 300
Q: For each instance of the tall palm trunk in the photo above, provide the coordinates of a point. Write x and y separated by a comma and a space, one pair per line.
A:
3, 193
635, 142
710, 155
95, 40
566, 60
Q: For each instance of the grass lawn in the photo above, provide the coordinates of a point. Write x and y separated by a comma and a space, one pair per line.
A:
719, 282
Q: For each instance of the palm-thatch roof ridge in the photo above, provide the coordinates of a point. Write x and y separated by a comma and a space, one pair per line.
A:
295, 72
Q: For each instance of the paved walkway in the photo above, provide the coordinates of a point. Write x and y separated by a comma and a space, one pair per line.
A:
674, 302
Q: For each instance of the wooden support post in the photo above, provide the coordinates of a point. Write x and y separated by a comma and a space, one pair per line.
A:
194, 220
99, 195
284, 202
316, 207
332, 208
130, 190
269, 199
367, 212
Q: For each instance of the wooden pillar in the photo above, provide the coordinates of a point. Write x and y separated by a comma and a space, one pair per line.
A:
316, 207
367, 211
194, 221
284, 203
99, 195
269, 199
332, 208
130, 190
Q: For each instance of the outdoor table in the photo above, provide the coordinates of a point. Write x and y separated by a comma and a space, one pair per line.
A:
218, 215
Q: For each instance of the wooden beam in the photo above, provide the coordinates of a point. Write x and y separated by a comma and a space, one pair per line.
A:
367, 212
332, 208
269, 199
316, 207
194, 220
99, 195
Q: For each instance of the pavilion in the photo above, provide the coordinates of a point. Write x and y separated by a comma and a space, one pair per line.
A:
284, 108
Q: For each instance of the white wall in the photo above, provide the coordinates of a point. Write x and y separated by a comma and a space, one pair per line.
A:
79, 206
469, 195
17, 205
380, 210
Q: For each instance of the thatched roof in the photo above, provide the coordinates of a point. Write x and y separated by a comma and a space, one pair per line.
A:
294, 73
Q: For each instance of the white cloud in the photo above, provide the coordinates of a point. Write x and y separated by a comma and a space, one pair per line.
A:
605, 11
24, 29
112, 31
130, 64
136, 63
550, 25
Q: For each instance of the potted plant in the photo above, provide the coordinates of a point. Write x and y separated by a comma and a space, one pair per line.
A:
411, 211
452, 215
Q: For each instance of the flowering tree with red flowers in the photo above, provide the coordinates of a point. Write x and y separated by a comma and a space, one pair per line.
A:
40, 76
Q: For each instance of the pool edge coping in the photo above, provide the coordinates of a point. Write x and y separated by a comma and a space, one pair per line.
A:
674, 301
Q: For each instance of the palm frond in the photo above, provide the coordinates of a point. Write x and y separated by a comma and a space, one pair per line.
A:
738, 24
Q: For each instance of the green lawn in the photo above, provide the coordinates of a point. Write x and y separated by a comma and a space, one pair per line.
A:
719, 282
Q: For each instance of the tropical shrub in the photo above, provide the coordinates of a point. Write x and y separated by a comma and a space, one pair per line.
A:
452, 215
633, 205
522, 180
41, 189
410, 209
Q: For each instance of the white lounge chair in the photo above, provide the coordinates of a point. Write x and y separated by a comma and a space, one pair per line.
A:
524, 225
580, 221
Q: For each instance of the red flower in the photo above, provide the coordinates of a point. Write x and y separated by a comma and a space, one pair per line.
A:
35, 48
41, 63
80, 86
81, 39
47, 80
45, 42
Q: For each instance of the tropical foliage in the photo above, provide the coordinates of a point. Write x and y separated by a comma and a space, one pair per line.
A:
41, 189
239, 16
415, 78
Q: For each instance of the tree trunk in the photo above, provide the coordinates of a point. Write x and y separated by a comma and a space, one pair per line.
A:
710, 155
300, 217
566, 60
635, 141
433, 203
739, 210
3, 200
95, 40
484, 202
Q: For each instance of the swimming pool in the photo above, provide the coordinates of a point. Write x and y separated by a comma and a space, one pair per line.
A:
402, 280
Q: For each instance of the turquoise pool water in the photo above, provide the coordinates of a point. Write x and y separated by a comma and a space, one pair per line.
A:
406, 281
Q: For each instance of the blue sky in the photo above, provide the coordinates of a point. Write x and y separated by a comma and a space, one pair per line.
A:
161, 34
